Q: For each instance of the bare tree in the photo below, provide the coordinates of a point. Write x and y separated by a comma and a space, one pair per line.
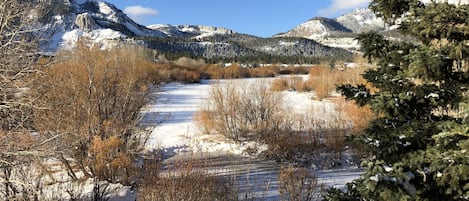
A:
18, 54
298, 184
51, 111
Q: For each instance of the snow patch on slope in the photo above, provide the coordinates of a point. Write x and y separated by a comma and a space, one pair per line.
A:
457, 2
361, 20
106, 37
192, 31
312, 29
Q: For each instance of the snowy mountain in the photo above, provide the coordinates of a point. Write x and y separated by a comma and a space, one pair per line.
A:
316, 28
361, 20
341, 31
99, 21
105, 25
338, 32
190, 31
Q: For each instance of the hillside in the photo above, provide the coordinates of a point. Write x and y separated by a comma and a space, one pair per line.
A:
242, 47
99, 21
104, 24
339, 32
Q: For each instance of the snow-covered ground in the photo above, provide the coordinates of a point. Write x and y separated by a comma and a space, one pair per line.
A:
174, 109
176, 133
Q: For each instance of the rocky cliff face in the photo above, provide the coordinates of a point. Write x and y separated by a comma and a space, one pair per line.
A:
99, 21
85, 22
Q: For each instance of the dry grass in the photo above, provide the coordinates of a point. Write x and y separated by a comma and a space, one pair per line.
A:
323, 81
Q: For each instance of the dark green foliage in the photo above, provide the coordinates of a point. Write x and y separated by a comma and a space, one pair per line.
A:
420, 141
373, 44
391, 10
334, 194
248, 49
91, 6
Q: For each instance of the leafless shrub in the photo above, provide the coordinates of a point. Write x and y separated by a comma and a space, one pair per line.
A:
288, 147
300, 85
235, 71
223, 102
203, 121
298, 184
249, 112
301, 137
18, 56
169, 72
290, 83
183, 182
18, 53
100, 191
106, 160
213, 71
322, 81
294, 70
280, 84
264, 71
333, 126
188, 62
93, 96
359, 116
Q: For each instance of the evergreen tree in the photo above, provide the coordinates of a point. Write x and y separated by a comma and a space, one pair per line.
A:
419, 143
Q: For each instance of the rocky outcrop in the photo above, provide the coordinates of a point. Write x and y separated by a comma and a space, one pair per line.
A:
85, 22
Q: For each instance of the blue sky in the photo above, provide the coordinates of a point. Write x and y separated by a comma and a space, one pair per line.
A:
256, 17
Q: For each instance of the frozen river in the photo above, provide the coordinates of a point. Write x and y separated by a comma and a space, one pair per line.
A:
177, 134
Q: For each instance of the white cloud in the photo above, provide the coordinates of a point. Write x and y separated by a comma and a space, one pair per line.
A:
138, 13
342, 5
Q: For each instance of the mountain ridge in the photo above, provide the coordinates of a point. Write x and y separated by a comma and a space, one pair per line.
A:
104, 24
338, 32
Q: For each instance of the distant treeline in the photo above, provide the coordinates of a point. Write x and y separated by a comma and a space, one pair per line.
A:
239, 52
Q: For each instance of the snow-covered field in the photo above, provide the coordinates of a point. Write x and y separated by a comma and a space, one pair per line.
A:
176, 133
173, 110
